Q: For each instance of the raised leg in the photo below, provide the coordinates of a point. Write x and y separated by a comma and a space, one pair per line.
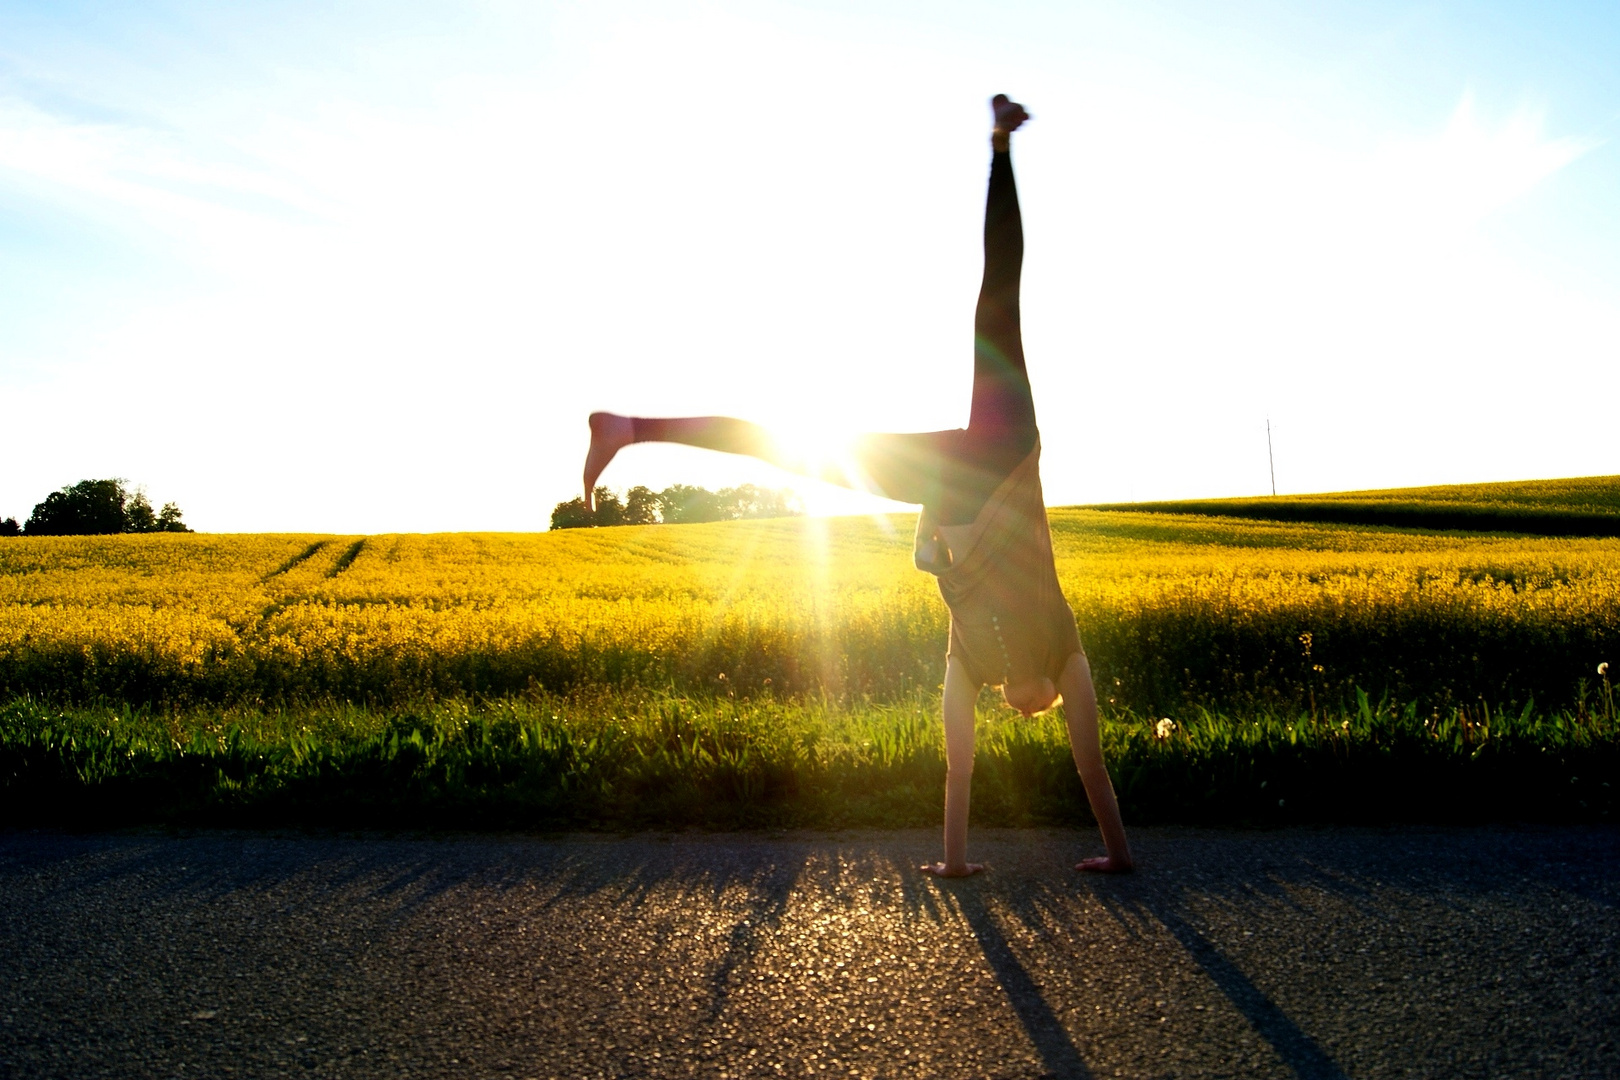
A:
1003, 406
1001, 422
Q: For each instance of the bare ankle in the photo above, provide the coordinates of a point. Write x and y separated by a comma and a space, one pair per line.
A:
610, 433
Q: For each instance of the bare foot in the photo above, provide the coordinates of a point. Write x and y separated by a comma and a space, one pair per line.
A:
1010, 115
610, 433
939, 869
1104, 864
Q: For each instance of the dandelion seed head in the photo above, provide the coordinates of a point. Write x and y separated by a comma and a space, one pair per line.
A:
1164, 727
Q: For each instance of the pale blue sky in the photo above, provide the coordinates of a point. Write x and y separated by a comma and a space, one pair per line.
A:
365, 267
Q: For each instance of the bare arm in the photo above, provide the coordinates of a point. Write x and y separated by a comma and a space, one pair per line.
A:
961, 695
1080, 711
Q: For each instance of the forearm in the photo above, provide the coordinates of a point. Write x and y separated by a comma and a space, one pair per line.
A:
958, 798
1080, 713
958, 706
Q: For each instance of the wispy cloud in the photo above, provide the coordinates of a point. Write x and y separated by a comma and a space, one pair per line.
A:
108, 169
1473, 168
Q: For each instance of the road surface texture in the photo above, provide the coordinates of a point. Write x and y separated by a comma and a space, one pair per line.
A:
1312, 953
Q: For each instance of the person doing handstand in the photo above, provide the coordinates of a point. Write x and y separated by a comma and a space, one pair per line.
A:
982, 530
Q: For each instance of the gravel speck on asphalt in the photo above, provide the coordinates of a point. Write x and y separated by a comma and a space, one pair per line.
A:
1414, 952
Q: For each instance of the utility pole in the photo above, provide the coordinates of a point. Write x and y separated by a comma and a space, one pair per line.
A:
1270, 458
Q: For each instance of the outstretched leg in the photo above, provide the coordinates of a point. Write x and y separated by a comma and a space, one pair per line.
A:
904, 467
611, 433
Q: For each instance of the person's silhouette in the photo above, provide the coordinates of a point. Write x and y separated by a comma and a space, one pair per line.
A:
982, 529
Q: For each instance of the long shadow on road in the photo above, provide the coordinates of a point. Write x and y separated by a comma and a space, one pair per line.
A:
1051, 1039
1037, 1015
1430, 951
1297, 1049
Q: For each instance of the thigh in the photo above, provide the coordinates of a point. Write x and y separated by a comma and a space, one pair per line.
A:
913, 467
951, 472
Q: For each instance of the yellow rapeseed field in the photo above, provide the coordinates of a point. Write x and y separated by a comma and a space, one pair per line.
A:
1174, 610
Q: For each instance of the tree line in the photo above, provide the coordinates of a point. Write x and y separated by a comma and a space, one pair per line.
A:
678, 504
96, 508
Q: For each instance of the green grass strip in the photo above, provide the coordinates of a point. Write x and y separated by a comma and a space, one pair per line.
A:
612, 762
1581, 506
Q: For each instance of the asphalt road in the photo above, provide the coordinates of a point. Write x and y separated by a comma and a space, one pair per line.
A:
1315, 953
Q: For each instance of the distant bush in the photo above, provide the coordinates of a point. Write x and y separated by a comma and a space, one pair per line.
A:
99, 508
9, 527
573, 514
678, 504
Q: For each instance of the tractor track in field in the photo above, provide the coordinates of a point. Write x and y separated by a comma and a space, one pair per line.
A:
303, 556
1308, 953
345, 560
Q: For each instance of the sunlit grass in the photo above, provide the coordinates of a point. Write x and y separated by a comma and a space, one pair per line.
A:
625, 761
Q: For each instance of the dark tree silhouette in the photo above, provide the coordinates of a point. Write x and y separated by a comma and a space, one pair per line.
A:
168, 519
677, 504
138, 516
748, 501
88, 508
98, 508
641, 506
9, 527
609, 510
572, 514
682, 504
